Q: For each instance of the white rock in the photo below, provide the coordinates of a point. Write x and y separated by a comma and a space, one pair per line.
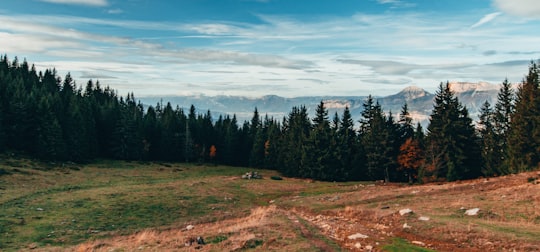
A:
406, 226
356, 236
190, 227
419, 243
358, 245
423, 218
405, 211
472, 211
39, 209
369, 247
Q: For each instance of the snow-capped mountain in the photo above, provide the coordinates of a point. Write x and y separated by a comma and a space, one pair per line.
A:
419, 101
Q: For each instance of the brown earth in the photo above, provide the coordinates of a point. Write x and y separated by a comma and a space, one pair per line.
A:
508, 220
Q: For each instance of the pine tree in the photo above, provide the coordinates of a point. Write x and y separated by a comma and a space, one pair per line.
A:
319, 152
231, 141
373, 135
272, 145
347, 148
406, 129
524, 133
488, 137
50, 143
452, 146
391, 143
257, 138
127, 141
504, 109
296, 130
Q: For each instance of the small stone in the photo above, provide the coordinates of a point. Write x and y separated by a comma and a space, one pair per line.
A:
423, 218
190, 227
405, 211
419, 243
369, 247
358, 245
356, 236
472, 211
39, 209
406, 226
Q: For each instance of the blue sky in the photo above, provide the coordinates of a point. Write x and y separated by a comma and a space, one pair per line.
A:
283, 47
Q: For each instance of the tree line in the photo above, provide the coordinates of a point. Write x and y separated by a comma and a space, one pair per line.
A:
46, 117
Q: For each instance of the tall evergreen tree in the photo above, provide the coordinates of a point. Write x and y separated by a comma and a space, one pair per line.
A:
296, 130
257, 139
151, 134
319, 155
453, 150
406, 129
504, 109
488, 138
373, 134
347, 148
524, 133
50, 143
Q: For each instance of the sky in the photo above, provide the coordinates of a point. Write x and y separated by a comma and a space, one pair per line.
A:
289, 48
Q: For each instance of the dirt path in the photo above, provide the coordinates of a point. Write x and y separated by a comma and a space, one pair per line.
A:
366, 218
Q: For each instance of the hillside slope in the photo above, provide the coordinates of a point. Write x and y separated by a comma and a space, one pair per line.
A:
367, 216
132, 206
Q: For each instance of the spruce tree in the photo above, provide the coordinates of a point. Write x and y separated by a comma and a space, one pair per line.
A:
319, 152
347, 148
373, 135
406, 129
50, 143
524, 132
488, 138
452, 146
257, 138
296, 130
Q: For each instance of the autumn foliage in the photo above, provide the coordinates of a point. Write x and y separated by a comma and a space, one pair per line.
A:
212, 153
411, 158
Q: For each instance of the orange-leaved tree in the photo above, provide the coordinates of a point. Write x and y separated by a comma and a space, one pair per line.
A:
411, 158
212, 153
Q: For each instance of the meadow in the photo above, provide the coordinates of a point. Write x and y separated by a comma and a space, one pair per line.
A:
125, 206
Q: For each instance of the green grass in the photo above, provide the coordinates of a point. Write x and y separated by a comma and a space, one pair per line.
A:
401, 245
62, 206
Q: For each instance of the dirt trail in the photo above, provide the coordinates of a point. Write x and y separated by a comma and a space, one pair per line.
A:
366, 218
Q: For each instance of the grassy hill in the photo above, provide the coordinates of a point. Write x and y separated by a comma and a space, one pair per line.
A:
126, 206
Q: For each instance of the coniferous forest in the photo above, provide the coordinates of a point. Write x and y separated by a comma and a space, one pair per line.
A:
50, 118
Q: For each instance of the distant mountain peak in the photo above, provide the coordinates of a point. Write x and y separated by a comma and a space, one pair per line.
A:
412, 92
460, 87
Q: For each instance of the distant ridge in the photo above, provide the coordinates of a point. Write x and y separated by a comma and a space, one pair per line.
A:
419, 101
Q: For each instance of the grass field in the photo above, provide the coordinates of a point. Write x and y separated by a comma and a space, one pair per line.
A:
126, 206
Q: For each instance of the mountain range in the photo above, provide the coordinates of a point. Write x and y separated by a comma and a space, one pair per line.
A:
419, 101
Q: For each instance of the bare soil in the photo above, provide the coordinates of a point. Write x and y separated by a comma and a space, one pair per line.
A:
508, 220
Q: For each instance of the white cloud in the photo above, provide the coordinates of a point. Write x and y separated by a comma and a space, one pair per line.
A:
96, 3
115, 11
486, 19
377, 54
521, 8
397, 3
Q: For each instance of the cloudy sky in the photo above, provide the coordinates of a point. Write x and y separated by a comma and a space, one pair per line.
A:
283, 47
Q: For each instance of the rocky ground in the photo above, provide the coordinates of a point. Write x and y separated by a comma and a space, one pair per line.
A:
496, 214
